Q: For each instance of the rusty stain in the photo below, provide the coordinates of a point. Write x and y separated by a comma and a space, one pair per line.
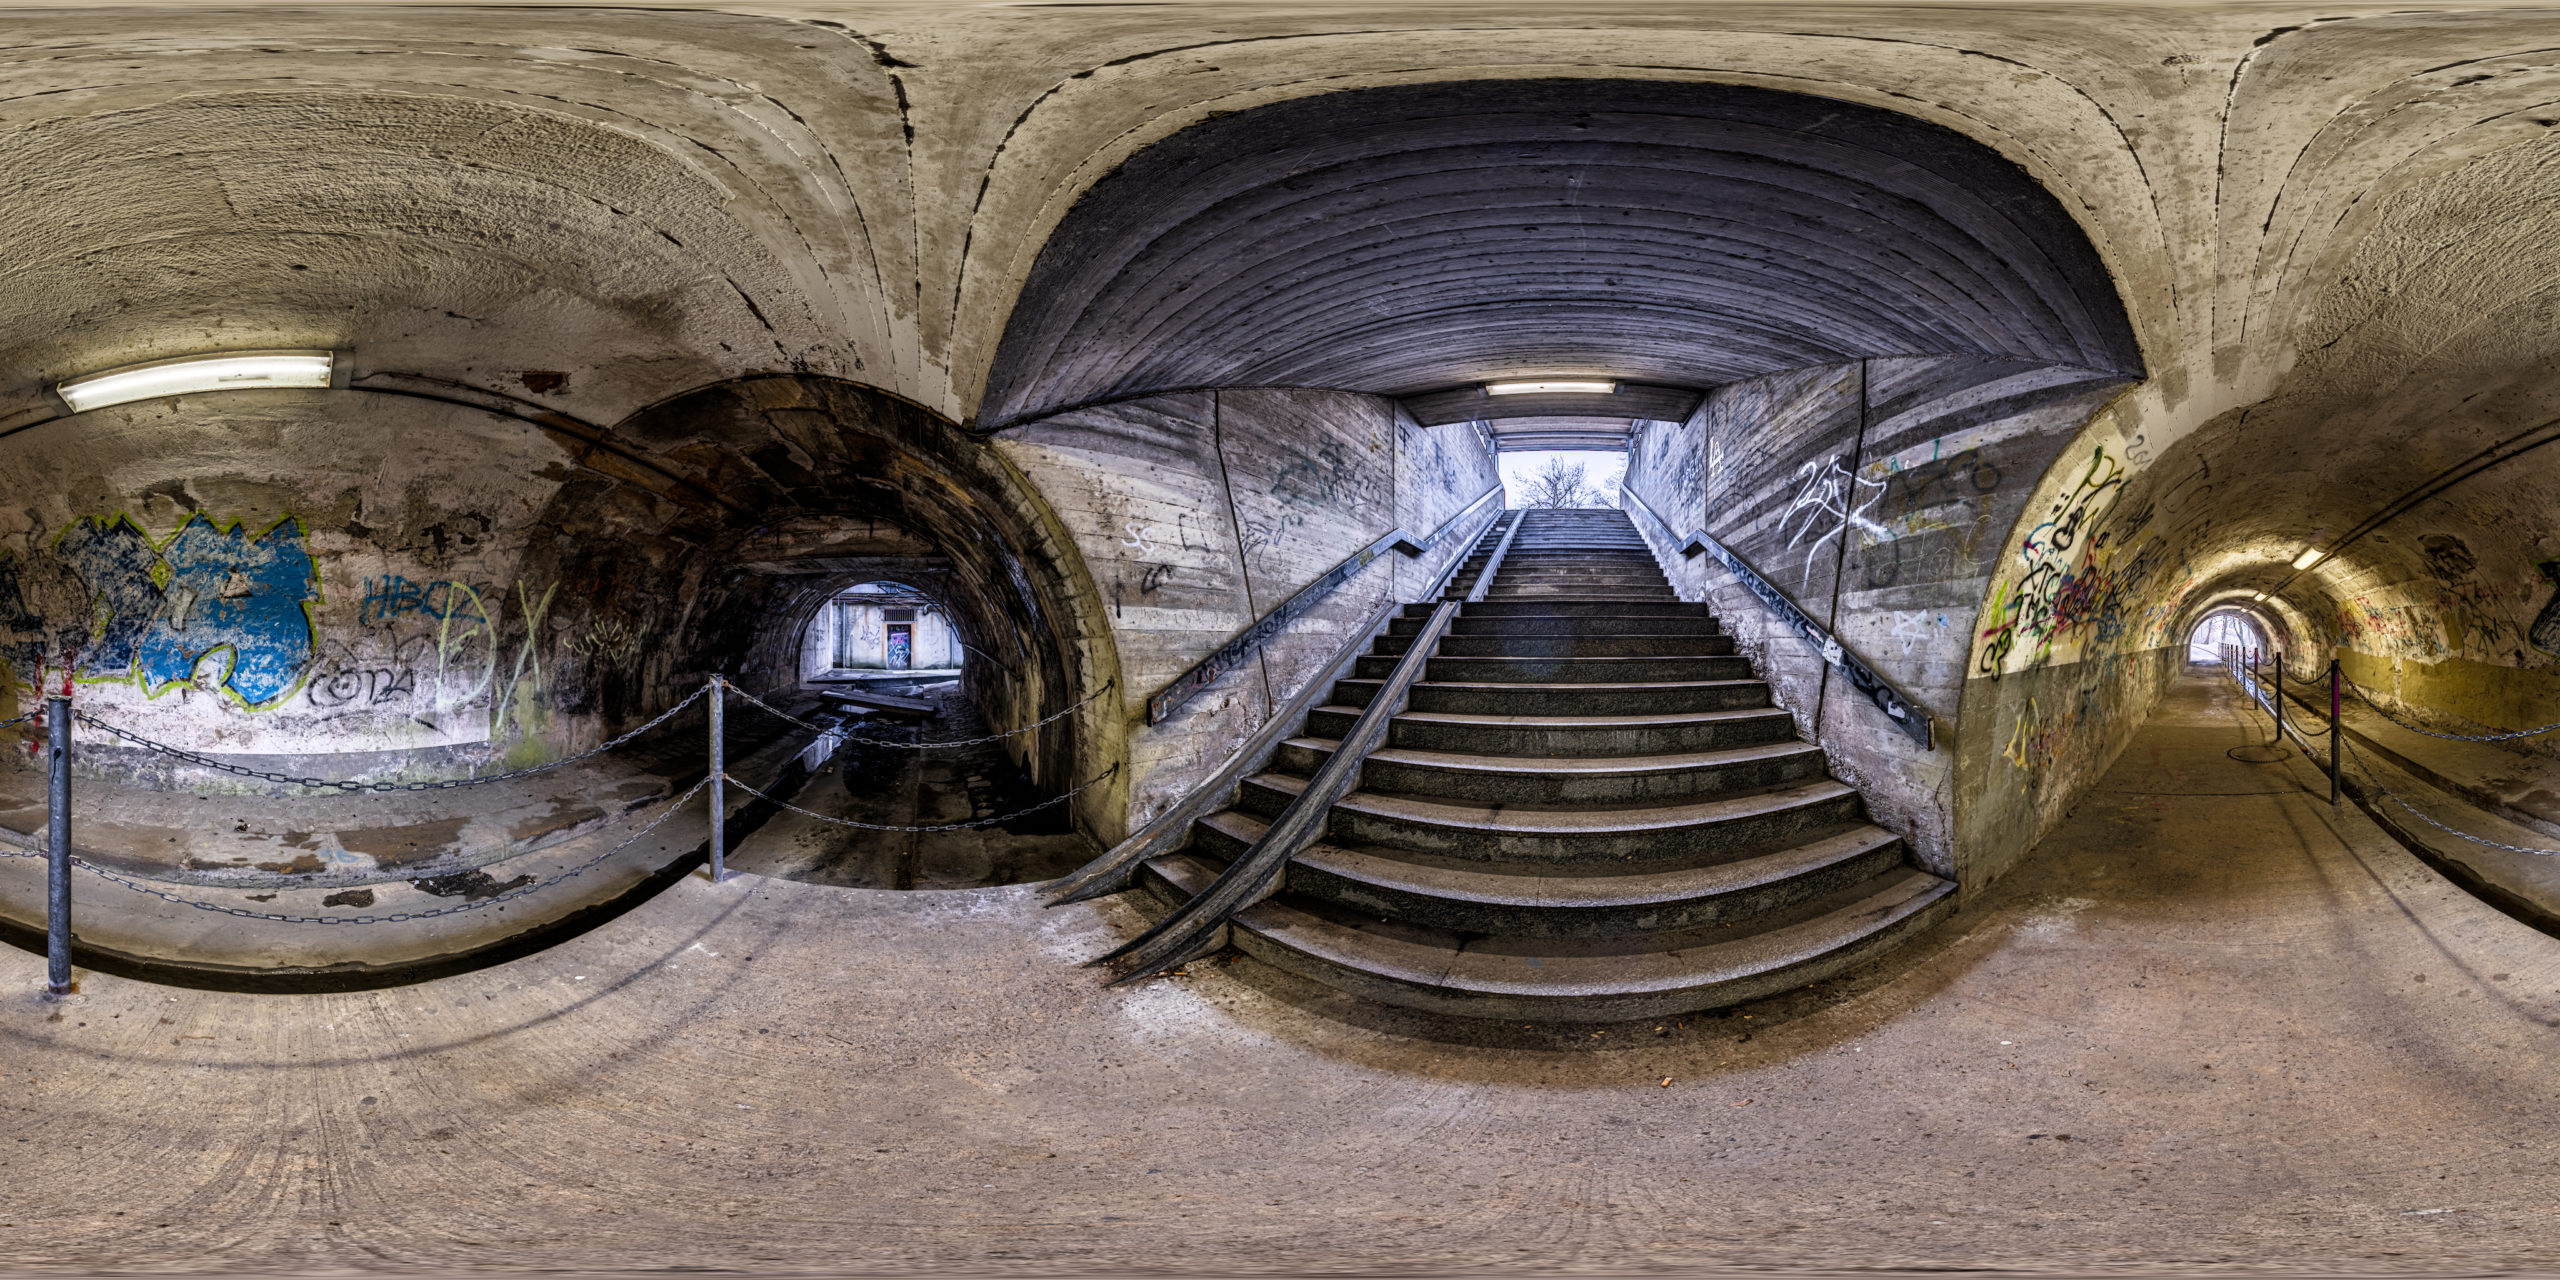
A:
391, 846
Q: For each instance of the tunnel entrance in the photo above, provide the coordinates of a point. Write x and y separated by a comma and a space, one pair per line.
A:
919, 753
1554, 479
883, 630
2219, 632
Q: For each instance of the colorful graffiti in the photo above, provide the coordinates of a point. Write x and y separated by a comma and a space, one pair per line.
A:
159, 611
2078, 571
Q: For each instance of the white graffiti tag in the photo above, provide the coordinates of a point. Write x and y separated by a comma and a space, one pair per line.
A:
1830, 498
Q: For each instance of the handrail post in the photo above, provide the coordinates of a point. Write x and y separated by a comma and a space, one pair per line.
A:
57, 866
2279, 696
719, 779
2333, 732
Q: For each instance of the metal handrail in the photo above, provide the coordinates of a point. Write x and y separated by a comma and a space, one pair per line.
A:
1484, 577
1199, 926
1232, 654
1905, 711
1111, 872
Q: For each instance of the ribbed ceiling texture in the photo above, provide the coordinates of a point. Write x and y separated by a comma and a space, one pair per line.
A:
1412, 238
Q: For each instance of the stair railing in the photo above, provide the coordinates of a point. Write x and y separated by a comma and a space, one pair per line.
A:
1907, 715
1200, 926
1232, 654
1113, 871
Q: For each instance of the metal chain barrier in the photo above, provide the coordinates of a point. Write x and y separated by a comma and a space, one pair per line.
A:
2367, 700
841, 736
397, 917
2365, 776
2365, 772
950, 826
208, 762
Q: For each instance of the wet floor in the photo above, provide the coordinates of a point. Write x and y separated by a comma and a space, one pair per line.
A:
882, 777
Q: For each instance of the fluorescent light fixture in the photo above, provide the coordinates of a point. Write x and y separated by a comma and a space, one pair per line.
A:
1550, 387
2309, 554
229, 371
2257, 595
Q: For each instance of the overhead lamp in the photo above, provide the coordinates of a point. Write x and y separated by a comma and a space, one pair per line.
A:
1550, 387
2257, 595
2308, 556
187, 375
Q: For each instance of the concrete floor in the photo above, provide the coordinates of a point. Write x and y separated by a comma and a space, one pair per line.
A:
2213, 1021
869, 781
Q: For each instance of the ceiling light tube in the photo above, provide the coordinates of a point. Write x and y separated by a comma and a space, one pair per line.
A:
2306, 559
2257, 595
227, 371
1551, 387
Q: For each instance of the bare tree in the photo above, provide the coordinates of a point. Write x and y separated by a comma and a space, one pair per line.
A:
1559, 484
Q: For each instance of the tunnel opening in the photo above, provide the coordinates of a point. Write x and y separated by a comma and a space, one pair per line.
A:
1561, 479
881, 630
2218, 637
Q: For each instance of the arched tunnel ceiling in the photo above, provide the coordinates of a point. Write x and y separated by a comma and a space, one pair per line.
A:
1405, 239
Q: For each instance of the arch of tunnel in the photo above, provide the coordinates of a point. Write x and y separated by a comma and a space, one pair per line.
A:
2024, 414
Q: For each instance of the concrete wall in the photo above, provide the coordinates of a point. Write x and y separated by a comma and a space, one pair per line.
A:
290, 573
1875, 495
1199, 512
847, 635
350, 582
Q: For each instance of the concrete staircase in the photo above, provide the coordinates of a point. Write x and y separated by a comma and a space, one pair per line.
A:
1589, 811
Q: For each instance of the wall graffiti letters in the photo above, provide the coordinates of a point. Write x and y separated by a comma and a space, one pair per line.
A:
157, 612
1830, 500
2078, 569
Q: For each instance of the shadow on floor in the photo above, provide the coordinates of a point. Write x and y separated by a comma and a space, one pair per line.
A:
881, 778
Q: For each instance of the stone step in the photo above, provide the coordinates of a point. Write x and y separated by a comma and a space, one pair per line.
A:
1569, 608
1535, 902
1529, 735
1702, 830
1564, 780
1556, 980
1496, 698
1563, 670
1578, 591
1569, 646
1638, 625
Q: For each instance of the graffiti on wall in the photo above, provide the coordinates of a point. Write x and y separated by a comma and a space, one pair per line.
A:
207, 593
2079, 569
1830, 500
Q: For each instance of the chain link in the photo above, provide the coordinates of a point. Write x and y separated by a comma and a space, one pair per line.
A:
841, 736
952, 826
2367, 699
2365, 776
396, 917
511, 775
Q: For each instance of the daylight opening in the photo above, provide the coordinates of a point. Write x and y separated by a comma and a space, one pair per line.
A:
2225, 630
880, 630
1550, 478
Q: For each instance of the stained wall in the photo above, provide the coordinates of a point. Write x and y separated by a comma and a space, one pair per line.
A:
1198, 513
1876, 496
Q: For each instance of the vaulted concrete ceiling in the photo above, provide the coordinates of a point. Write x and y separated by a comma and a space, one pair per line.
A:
1402, 239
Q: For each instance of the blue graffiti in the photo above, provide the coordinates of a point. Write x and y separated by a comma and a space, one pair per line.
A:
115, 558
208, 592
393, 596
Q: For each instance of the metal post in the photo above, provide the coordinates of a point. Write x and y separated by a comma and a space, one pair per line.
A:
2333, 732
57, 867
719, 791
2278, 700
